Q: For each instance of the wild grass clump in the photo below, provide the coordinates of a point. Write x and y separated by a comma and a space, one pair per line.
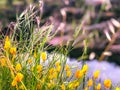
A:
26, 65
38, 70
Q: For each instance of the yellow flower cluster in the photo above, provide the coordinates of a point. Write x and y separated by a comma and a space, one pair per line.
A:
7, 46
18, 78
68, 71
53, 75
80, 73
107, 84
51, 84
74, 84
91, 81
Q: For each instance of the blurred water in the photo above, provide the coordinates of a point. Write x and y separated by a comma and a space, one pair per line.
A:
108, 70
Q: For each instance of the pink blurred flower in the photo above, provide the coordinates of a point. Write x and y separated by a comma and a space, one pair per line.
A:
96, 2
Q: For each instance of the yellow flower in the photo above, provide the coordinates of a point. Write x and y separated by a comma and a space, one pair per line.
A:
43, 80
85, 68
13, 50
14, 83
58, 68
7, 43
98, 86
50, 77
29, 61
67, 67
57, 64
68, 73
51, 84
78, 74
73, 84
86, 88
19, 77
70, 85
39, 68
51, 71
117, 88
76, 83
107, 83
3, 61
96, 74
90, 82
55, 74
43, 56
18, 67
63, 87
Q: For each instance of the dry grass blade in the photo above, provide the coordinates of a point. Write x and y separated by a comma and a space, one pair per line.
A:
107, 35
113, 39
107, 53
115, 23
63, 13
112, 29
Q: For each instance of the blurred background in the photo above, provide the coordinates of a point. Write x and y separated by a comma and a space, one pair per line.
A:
97, 21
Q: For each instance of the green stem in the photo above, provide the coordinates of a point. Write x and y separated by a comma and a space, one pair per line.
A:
23, 85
